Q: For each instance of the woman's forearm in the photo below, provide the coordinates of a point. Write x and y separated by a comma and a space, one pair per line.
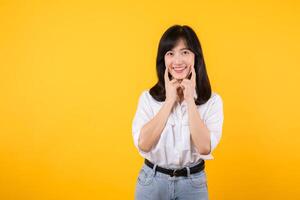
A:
199, 132
151, 131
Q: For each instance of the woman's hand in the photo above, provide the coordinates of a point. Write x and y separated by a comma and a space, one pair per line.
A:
171, 88
189, 86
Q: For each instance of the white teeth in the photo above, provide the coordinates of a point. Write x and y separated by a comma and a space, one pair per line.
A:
178, 69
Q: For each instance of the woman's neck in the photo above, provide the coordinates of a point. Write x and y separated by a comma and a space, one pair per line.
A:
180, 94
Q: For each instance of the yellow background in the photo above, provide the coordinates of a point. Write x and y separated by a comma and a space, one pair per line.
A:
71, 74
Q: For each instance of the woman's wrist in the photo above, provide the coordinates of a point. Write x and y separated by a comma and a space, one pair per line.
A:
169, 104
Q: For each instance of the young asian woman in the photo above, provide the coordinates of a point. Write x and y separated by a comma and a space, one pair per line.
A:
178, 122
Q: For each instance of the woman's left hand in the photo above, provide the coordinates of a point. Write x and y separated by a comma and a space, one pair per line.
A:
189, 86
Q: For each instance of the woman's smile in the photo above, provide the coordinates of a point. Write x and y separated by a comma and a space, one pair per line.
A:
180, 70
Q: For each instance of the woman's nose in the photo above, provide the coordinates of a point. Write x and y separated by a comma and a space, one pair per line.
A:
177, 59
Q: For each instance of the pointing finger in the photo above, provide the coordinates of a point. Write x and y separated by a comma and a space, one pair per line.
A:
193, 78
166, 75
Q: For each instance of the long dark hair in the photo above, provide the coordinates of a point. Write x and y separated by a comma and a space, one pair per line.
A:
167, 42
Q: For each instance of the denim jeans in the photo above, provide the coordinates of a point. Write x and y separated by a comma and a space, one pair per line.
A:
154, 185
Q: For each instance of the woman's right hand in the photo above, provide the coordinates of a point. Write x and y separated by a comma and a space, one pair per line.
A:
171, 87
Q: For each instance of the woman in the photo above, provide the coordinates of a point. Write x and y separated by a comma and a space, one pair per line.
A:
178, 122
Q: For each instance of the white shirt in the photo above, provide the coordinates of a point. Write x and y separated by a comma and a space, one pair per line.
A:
175, 148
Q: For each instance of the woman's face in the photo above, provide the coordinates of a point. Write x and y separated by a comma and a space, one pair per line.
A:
179, 60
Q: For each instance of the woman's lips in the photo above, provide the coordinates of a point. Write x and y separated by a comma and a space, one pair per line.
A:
179, 70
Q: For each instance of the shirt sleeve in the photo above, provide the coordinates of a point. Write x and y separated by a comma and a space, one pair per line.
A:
214, 122
142, 116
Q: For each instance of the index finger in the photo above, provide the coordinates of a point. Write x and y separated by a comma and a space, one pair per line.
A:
166, 75
193, 78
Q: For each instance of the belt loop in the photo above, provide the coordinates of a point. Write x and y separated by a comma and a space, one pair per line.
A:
188, 171
154, 169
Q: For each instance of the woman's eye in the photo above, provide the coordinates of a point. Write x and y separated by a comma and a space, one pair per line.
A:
186, 52
170, 53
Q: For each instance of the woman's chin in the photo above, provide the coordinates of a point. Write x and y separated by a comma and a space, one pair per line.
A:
179, 77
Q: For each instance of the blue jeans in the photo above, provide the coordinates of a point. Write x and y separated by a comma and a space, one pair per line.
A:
153, 185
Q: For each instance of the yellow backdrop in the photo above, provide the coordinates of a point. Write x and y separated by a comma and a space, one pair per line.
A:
71, 74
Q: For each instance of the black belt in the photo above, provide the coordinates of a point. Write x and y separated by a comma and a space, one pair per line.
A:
177, 172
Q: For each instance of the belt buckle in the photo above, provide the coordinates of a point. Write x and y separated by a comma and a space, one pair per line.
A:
174, 172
